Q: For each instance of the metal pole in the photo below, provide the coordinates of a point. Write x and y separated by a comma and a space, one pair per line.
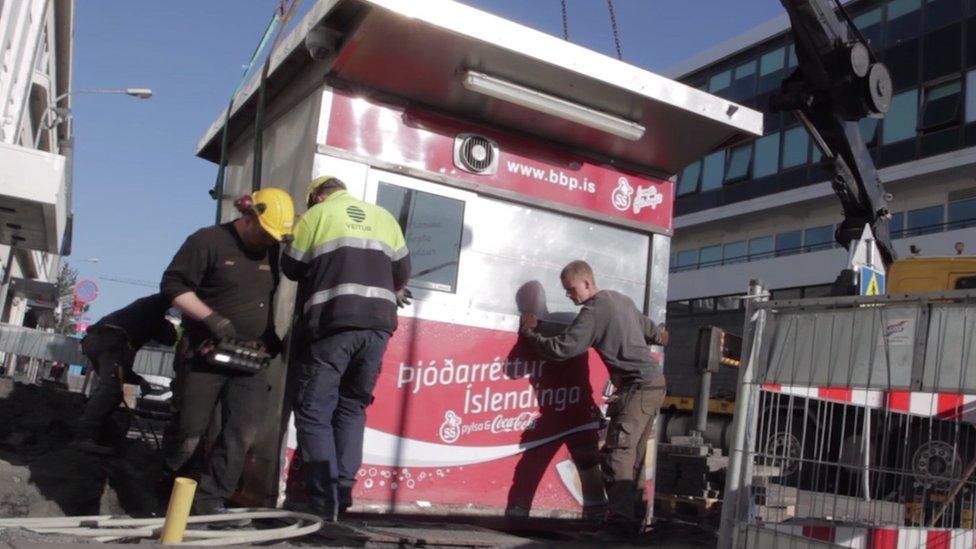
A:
743, 423
701, 406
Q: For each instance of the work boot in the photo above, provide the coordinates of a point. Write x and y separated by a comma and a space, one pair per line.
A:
327, 515
345, 498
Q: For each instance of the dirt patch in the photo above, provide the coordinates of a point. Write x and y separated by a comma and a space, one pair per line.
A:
40, 475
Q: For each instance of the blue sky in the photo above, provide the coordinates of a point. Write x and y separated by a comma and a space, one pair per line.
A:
139, 190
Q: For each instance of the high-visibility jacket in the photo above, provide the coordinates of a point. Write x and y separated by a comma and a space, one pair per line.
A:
349, 258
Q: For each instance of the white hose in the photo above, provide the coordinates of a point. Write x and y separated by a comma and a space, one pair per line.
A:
108, 528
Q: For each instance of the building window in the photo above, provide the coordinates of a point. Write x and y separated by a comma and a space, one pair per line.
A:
740, 159
818, 238
734, 252
942, 52
771, 70
686, 260
728, 303
941, 107
962, 213
688, 181
823, 290
902, 61
789, 243
710, 256
939, 13
795, 146
703, 305
712, 173
767, 156
924, 221
869, 23
896, 227
791, 57
899, 122
904, 20
869, 130
787, 293
720, 81
433, 226
971, 96
743, 81
761, 248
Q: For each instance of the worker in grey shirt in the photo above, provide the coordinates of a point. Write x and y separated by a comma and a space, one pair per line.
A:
611, 323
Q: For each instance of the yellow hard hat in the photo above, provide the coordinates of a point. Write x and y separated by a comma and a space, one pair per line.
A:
276, 211
326, 182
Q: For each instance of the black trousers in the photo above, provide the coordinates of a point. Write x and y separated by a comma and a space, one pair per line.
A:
336, 379
109, 353
198, 390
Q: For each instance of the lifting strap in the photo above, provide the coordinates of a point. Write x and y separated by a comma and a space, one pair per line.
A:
259, 115
218, 191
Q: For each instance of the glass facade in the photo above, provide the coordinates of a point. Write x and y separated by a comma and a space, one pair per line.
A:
929, 47
959, 214
962, 213
796, 147
740, 159
789, 243
899, 122
924, 220
767, 156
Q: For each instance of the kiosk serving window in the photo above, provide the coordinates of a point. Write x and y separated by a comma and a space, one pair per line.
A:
433, 226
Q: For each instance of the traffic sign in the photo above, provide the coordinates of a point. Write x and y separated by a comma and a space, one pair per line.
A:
872, 282
86, 291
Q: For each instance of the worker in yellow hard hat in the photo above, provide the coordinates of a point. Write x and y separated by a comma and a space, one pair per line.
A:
224, 278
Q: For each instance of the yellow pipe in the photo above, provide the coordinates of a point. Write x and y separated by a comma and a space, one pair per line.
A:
178, 510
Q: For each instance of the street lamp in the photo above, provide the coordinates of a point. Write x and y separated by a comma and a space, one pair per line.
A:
141, 93
60, 114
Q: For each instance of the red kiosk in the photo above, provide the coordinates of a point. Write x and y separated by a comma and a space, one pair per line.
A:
504, 153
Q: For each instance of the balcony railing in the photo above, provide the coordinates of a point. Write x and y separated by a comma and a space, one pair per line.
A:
759, 256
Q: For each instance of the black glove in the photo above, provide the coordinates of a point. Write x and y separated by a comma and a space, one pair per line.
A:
273, 344
220, 327
403, 297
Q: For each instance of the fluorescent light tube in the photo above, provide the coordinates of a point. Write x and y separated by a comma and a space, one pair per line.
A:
548, 104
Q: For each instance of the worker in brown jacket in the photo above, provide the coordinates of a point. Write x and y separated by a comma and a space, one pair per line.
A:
611, 323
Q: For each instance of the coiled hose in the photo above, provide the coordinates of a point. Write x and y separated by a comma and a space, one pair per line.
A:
105, 528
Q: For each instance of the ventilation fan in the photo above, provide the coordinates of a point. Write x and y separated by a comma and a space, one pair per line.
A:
475, 154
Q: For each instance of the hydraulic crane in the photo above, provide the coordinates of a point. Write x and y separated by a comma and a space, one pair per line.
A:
838, 81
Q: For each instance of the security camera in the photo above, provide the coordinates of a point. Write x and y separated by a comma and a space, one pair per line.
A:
322, 42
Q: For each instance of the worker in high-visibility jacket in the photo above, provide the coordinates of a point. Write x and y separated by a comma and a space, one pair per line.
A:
352, 265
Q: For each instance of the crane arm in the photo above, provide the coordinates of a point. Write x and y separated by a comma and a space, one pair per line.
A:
837, 82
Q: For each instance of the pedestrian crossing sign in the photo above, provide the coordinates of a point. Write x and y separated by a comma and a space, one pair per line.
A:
872, 281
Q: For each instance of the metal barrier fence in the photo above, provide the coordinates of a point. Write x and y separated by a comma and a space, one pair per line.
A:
854, 424
36, 346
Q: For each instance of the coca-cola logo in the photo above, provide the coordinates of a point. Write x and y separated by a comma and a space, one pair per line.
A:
454, 428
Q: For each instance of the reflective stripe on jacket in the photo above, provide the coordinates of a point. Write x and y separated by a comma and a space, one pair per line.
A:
349, 258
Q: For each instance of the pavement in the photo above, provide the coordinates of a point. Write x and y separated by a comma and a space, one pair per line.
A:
41, 476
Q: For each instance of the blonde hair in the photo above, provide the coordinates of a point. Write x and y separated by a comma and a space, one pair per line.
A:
577, 269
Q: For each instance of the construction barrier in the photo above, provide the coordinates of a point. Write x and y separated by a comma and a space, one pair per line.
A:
853, 423
29, 344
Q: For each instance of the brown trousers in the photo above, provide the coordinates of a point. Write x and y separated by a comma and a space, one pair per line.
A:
632, 411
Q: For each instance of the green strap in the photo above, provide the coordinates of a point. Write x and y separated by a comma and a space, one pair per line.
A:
218, 190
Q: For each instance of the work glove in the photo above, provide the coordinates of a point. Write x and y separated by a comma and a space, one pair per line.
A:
273, 345
220, 327
403, 297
